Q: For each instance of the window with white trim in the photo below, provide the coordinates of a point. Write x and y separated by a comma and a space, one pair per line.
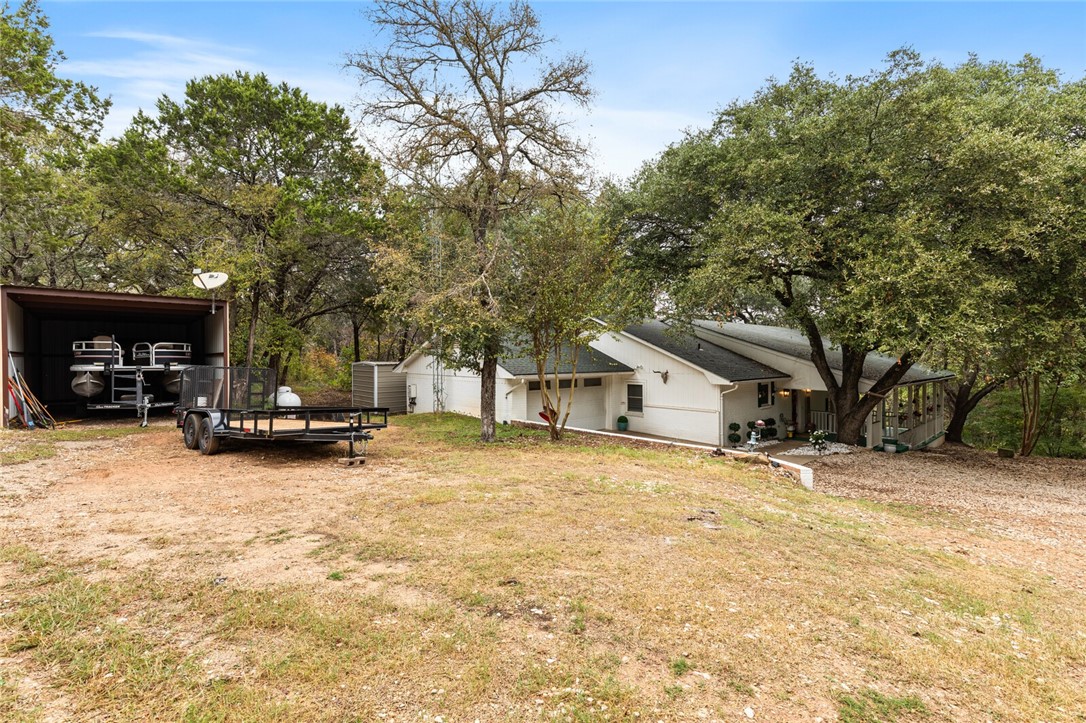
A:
635, 398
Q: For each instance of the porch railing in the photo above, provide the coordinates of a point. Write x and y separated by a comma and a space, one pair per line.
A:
920, 432
825, 421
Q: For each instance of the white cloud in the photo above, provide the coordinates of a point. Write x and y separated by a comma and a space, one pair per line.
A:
148, 65
624, 138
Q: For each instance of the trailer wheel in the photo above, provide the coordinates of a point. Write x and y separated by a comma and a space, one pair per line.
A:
209, 443
191, 431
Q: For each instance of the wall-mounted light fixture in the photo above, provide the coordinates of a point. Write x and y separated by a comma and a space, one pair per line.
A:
806, 391
784, 392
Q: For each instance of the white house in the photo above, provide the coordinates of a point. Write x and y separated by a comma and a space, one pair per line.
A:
431, 387
692, 386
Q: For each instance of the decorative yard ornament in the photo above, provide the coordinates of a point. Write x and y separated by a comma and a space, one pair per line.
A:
209, 281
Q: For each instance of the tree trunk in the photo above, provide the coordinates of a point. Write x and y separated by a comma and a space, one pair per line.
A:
963, 401
275, 361
850, 426
356, 331
487, 402
254, 312
1030, 390
1033, 410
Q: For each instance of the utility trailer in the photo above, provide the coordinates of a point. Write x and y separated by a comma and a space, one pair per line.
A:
218, 403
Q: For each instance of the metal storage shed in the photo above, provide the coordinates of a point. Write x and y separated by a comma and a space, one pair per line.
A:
376, 384
39, 325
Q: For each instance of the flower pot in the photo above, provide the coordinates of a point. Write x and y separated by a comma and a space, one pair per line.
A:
622, 426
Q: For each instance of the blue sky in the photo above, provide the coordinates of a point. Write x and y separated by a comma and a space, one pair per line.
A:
658, 67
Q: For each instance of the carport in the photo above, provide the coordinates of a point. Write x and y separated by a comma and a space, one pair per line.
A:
39, 325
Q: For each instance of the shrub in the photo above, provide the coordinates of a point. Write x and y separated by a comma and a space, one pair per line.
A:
622, 419
734, 426
750, 425
734, 437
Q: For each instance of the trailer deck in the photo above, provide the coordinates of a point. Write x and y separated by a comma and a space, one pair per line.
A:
205, 423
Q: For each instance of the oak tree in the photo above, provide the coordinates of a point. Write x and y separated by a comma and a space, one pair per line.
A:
467, 104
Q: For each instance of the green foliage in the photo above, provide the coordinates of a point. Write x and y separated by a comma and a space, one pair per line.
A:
321, 369
254, 179
889, 212
476, 148
997, 423
680, 666
734, 426
871, 706
47, 212
565, 278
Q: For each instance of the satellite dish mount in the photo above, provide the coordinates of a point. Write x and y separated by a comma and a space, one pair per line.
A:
209, 281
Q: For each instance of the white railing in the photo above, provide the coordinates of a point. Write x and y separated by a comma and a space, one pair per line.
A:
825, 421
920, 432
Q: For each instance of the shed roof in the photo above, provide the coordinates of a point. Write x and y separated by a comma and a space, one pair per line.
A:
68, 301
703, 354
794, 343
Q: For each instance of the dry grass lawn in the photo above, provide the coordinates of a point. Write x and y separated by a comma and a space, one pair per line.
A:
451, 581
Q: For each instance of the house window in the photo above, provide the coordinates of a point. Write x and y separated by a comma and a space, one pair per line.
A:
592, 382
564, 383
765, 394
534, 386
635, 398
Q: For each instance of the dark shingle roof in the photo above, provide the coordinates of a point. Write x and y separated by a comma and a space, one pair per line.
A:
795, 344
703, 354
589, 361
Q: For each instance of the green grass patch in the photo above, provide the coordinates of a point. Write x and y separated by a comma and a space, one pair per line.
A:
871, 706
20, 446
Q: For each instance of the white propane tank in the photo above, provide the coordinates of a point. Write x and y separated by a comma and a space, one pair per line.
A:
286, 398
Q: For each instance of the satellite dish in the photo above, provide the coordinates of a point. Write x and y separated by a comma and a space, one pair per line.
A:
208, 280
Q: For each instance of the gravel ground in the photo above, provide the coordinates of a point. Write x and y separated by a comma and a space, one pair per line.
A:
1034, 508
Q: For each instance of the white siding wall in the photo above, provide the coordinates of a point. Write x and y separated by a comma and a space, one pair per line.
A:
741, 406
462, 389
589, 406
686, 407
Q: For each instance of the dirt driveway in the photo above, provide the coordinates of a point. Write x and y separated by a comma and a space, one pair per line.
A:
138, 500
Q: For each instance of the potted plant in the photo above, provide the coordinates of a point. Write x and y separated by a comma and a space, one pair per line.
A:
734, 437
623, 423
